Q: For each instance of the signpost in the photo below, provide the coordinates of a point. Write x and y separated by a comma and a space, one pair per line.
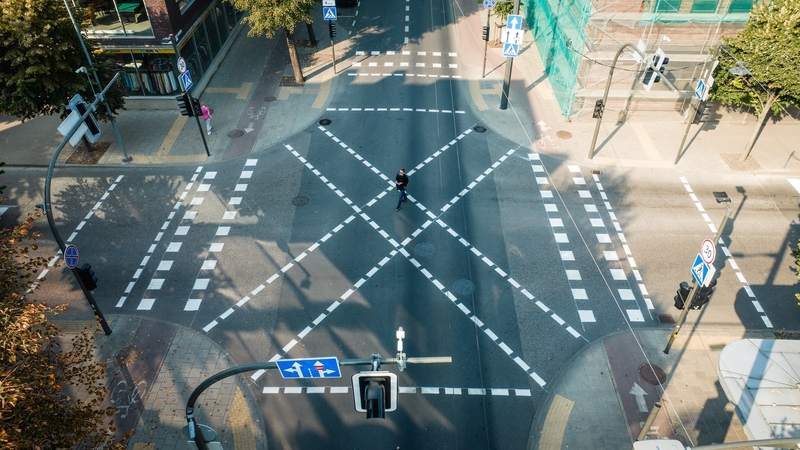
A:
181, 65
329, 12
708, 251
489, 4
186, 80
325, 367
71, 256
510, 51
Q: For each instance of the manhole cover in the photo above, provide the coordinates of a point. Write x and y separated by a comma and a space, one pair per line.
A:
325, 122
270, 99
425, 249
652, 374
479, 129
463, 287
300, 200
233, 134
563, 134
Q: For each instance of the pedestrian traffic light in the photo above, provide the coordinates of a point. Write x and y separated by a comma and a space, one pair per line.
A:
598, 109
86, 274
185, 104
653, 74
703, 295
485, 33
332, 28
682, 294
375, 393
702, 113
198, 111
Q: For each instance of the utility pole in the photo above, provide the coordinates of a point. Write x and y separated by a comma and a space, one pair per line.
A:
509, 64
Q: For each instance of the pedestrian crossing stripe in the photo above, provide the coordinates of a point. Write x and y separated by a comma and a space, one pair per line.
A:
510, 50
495, 392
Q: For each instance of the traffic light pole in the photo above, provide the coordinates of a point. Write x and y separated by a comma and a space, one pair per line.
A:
486, 41
686, 133
184, 91
695, 287
507, 77
333, 52
48, 210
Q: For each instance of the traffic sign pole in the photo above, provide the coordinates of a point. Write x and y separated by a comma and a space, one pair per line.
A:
509, 64
185, 90
486, 42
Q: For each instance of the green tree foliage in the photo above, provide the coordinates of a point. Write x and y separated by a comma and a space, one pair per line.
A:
36, 376
39, 53
503, 9
268, 16
769, 47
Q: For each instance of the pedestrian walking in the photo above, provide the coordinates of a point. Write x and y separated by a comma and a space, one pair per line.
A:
206, 116
402, 181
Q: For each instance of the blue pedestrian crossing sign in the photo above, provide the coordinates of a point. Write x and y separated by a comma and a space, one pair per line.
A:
700, 269
186, 79
71, 256
514, 22
325, 367
510, 50
329, 12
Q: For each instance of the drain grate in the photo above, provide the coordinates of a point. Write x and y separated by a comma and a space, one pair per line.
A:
665, 318
652, 374
233, 134
300, 200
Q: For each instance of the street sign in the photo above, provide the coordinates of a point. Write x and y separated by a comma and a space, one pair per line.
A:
511, 36
710, 275
325, 367
708, 251
510, 50
514, 22
329, 13
489, 4
181, 65
700, 270
71, 256
700, 91
328, 2
186, 80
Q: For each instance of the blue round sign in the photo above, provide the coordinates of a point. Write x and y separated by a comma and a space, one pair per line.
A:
71, 256
489, 4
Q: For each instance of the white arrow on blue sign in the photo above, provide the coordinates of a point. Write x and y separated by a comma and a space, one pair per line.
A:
325, 367
510, 50
71, 256
329, 13
514, 22
699, 269
186, 79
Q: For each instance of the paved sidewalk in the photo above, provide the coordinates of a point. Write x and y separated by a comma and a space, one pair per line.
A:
153, 367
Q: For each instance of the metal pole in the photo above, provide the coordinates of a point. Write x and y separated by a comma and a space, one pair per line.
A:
125, 157
333, 52
183, 90
509, 64
647, 423
486, 42
695, 286
685, 133
48, 210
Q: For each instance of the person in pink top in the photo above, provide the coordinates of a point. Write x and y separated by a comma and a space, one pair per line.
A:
206, 116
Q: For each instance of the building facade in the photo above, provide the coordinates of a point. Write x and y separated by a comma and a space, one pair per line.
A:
577, 40
137, 33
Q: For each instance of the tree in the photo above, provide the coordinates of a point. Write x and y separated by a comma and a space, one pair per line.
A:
39, 54
769, 48
36, 376
268, 16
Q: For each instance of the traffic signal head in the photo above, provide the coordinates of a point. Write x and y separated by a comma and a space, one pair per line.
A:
196, 107
485, 33
598, 109
375, 393
332, 28
80, 106
703, 295
682, 295
653, 74
185, 104
86, 274
702, 113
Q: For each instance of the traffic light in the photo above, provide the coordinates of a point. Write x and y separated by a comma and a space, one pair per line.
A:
485, 33
375, 393
652, 75
703, 295
332, 28
79, 106
185, 104
702, 113
682, 295
196, 107
598, 109
86, 274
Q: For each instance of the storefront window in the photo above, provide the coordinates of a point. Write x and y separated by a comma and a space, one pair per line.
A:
118, 18
148, 74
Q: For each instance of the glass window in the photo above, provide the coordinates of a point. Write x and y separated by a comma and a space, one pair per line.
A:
741, 6
705, 6
183, 4
148, 74
220, 20
211, 32
123, 18
203, 47
668, 6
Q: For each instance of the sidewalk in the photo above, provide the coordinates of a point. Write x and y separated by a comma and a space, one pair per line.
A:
153, 367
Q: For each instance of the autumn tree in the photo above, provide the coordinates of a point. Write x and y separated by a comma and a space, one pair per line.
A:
38, 380
768, 48
39, 54
268, 16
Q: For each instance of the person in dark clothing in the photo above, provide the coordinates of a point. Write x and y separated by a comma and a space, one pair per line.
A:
402, 181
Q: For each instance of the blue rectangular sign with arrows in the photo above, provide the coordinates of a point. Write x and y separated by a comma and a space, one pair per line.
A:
325, 367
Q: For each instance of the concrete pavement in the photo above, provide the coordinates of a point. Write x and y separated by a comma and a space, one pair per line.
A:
591, 404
